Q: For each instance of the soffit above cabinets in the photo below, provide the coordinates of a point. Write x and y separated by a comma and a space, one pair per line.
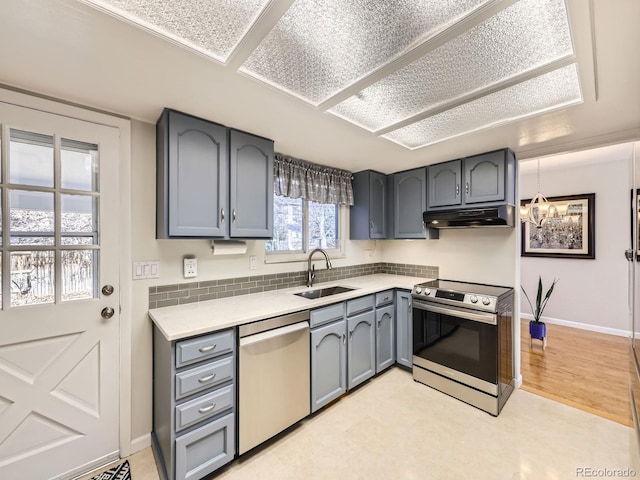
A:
414, 72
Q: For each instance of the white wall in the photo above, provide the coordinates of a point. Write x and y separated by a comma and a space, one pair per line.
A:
591, 294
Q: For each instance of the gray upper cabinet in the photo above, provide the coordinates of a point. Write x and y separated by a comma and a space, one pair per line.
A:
212, 182
409, 202
444, 183
480, 180
485, 179
192, 176
369, 214
251, 186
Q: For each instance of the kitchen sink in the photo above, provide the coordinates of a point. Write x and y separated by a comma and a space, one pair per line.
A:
324, 292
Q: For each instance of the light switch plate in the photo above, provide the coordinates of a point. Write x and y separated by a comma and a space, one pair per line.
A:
253, 262
144, 270
190, 267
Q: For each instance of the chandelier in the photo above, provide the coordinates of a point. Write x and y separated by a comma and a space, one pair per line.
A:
539, 209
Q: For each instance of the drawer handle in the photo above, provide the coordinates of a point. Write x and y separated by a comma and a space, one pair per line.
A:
207, 409
207, 378
207, 349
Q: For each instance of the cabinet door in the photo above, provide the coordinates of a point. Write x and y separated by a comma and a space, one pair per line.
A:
196, 168
251, 186
377, 205
328, 363
444, 184
485, 177
205, 449
410, 201
361, 340
385, 341
404, 329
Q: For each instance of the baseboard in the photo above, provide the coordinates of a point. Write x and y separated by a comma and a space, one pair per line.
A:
581, 326
140, 443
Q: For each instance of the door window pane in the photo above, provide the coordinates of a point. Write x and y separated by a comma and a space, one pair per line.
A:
32, 218
32, 278
79, 222
287, 225
77, 274
30, 158
79, 165
323, 225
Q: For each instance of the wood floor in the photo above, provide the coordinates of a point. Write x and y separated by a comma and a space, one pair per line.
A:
583, 369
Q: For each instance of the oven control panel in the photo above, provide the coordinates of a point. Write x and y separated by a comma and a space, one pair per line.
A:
469, 300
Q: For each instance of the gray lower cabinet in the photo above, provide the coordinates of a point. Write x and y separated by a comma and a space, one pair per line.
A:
361, 348
342, 348
385, 329
328, 363
404, 328
193, 404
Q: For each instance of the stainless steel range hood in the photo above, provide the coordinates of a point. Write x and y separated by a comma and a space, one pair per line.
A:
499, 216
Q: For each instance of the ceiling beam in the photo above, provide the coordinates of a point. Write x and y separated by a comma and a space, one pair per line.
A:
260, 28
469, 21
510, 82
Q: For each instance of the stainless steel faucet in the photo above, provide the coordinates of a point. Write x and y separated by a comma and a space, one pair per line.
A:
311, 269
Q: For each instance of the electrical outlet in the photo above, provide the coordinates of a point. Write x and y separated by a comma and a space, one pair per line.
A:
190, 267
253, 262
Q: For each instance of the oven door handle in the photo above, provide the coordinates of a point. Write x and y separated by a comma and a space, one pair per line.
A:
490, 318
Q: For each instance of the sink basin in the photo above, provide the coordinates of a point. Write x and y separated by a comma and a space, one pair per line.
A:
323, 292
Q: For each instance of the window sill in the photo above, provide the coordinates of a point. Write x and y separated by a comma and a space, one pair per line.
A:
300, 257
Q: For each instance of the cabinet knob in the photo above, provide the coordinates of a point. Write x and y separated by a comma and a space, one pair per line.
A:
233, 215
222, 215
466, 188
344, 338
207, 409
457, 189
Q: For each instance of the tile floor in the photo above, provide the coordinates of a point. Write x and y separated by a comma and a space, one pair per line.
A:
394, 428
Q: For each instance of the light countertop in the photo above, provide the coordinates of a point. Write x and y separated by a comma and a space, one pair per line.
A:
181, 321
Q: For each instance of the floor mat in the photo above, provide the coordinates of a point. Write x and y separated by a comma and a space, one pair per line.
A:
121, 472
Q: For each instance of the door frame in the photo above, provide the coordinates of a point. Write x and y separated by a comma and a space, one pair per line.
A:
59, 107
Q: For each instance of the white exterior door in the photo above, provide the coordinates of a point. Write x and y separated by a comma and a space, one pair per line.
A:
59, 348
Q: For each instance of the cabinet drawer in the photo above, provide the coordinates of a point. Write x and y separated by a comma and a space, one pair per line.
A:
384, 298
206, 449
203, 407
359, 305
201, 348
203, 376
328, 314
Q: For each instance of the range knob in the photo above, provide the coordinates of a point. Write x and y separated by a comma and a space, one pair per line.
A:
486, 301
427, 291
418, 290
473, 299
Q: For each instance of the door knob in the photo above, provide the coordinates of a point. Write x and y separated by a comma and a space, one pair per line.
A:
107, 290
107, 312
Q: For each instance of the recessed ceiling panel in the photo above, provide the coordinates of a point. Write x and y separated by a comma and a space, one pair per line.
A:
553, 90
213, 27
525, 36
319, 48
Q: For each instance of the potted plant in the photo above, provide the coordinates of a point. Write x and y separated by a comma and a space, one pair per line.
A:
538, 329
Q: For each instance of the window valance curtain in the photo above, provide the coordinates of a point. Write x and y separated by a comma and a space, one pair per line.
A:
296, 178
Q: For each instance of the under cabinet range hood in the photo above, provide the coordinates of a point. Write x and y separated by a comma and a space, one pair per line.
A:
499, 216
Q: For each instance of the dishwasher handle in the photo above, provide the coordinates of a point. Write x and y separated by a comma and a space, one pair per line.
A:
264, 336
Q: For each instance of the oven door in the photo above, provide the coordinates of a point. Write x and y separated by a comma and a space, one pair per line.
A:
458, 343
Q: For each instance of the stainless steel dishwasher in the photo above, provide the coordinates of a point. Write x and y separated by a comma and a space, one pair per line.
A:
274, 377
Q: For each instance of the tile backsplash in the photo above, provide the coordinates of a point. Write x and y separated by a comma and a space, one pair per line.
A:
181, 293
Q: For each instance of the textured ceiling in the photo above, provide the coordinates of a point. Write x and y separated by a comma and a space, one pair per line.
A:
414, 72
383, 85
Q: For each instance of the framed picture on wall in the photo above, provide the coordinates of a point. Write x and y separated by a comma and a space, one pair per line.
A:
568, 229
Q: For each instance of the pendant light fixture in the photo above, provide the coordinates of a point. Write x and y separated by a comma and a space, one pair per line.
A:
537, 212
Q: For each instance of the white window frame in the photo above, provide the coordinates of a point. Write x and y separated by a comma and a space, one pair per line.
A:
302, 256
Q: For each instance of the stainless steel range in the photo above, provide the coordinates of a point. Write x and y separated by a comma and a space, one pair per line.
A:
463, 341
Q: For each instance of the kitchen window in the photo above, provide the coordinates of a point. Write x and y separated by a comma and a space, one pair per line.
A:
300, 225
